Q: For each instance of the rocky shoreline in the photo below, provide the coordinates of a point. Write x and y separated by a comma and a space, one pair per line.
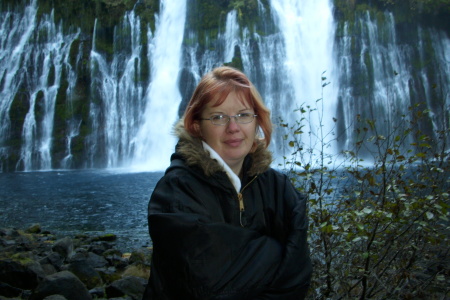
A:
36, 264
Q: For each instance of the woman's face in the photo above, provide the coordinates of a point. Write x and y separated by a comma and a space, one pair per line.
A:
232, 141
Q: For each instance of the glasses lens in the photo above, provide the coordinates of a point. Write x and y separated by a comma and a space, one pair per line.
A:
240, 118
244, 118
220, 119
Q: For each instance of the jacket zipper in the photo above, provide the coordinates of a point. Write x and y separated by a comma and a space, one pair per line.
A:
241, 200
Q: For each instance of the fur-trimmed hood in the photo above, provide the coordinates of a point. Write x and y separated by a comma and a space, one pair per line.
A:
191, 149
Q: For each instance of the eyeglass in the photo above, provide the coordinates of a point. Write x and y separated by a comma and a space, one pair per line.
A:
221, 120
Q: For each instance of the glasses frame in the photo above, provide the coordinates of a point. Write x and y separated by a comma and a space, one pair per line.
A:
229, 118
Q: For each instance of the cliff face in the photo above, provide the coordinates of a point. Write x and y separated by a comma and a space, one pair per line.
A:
57, 85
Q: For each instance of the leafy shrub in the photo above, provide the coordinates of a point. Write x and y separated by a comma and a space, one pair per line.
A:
379, 225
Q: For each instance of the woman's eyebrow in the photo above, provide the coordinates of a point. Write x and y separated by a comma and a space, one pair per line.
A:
218, 112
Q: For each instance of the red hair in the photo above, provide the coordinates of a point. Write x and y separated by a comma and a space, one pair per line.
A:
216, 86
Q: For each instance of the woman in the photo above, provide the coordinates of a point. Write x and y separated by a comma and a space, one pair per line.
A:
224, 225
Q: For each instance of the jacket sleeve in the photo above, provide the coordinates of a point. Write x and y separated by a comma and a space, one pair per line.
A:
204, 259
292, 278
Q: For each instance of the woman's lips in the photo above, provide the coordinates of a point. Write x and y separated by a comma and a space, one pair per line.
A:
234, 142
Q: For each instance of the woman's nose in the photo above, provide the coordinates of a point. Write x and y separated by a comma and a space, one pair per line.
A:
233, 126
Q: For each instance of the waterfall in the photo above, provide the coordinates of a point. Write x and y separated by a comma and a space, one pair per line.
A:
289, 67
73, 124
15, 30
42, 50
231, 36
154, 141
116, 84
308, 29
48, 62
439, 110
83, 98
378, 81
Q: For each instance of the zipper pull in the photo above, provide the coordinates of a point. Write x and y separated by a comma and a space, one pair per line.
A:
241, 202
241, 208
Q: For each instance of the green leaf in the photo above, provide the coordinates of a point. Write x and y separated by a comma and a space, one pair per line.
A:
367, 210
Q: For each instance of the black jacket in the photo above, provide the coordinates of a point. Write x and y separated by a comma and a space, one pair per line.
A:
206, 248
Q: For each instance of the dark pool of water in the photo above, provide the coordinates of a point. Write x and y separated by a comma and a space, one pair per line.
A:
84, 201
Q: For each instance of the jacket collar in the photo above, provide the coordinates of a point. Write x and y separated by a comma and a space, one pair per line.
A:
235, 180
194, 154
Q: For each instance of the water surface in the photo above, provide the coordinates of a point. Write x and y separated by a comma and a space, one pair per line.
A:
81, 201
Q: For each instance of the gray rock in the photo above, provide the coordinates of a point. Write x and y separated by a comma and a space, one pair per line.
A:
86, 273
97, 292
36, 266
53, 259
96, 261
63, 283
9, 291
36, 228
24, 275
55, 297
64, 247
128, 286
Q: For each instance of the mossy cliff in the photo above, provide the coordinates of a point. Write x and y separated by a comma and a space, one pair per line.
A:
206, 20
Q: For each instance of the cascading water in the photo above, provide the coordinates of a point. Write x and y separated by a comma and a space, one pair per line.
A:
117, 86
308, 33
308, 29
70, 105
43, 54
381, 70
291, 61
73, 124
154, 142
440, 110
15, 30
231, 35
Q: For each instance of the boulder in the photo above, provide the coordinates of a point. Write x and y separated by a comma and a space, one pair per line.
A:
97, 292
64, 247
128, 286
63, 283
140, 256
9, 291
55, 297
36, 228
53, 259
35, 265
25, 274
96, 261
86, 273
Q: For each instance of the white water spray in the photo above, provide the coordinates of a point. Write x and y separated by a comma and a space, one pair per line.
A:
308, 34
231, 35
154, 142
384, 70
15, 31
114, 83
44, 62
131, 118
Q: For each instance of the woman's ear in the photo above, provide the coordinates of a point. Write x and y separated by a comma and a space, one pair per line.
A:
197, 129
